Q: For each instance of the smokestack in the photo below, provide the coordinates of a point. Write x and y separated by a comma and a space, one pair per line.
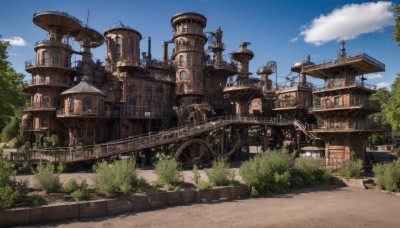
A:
149, 47
165, 51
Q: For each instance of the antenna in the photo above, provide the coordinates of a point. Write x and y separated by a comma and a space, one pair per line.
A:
87, 18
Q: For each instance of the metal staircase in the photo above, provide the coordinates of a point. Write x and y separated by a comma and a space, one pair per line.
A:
303, 128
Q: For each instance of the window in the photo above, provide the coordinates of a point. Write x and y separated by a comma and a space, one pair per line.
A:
89, 133
147, 91
101, 106
183, 76
158, 107
189, 60
57, 102
131, 106
44, 122
336, 78
338, 101
146, 105
57, 58
45, 101
117, 48
181, 61
87, 103
45, 58
132, 90
71, 103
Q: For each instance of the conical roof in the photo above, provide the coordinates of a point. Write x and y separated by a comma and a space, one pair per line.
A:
83, 87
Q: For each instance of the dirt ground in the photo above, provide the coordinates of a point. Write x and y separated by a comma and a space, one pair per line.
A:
325, 206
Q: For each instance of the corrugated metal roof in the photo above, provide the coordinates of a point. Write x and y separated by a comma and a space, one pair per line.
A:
83, 87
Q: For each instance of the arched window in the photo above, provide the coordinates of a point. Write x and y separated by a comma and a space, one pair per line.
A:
45, 58
183, 76
57, 58
181, 60
189, 60
45, 101
87, 103
146, 105
131, 109
71, 103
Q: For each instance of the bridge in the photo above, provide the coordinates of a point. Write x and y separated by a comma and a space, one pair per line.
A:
190, 145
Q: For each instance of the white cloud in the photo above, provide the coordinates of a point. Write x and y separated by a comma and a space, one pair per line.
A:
383, 85
294, 39
349, 22
374, 76
16, 41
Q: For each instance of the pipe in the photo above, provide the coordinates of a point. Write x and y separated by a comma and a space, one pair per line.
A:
149, 47
165, 51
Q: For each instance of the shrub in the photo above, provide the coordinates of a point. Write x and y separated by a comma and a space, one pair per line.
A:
81, 193
196, 175
26, 167
167, 171
36, 200
11, 192
351, 168
144, 186
121, 175
267, 172
71, 186
220, 174
388, 176
311, 171
203, 185
46, 179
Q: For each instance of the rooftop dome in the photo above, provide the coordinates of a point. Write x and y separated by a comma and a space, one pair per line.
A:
83, 87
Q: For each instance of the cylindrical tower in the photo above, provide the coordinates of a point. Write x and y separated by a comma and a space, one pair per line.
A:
189, 55
123, 49
243, 57
51, 70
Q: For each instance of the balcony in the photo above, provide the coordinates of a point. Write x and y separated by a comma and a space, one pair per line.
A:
128, 63
88, 113
285, 87
331, 86
183, 31
367, 105
289, 104
40, 107
52, 43
31, 64
46, 82
356, 126
222, 65
149, 115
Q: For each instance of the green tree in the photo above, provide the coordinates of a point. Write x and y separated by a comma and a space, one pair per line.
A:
12, 99
396, 34
381, 97
391, 110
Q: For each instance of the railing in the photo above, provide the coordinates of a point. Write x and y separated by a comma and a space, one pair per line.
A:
53, 43
188, 30
40, 106
244, 84
131, 144
290, 103
149, 115
353, 104
291, 86
344, 84
369, 58
128, 63
33, 63
82, 113
56, 12
349, 126
45, 81
159, 64
222, 65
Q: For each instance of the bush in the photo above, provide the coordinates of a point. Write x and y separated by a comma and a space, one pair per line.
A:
71, 186
46, 179
11, 192
36, 200
26, 167
267, 172
121, 175
311, 171
352, 168
196, 175
167, 171
81, 193
220, 174
388, 176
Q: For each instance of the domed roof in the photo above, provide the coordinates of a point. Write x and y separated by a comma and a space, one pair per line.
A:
83, 87
298, 65
242, 51
264, 70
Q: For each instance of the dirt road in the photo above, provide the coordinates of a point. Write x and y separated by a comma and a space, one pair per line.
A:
327, 206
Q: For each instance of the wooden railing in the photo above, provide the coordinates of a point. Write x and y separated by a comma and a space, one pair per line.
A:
132, 144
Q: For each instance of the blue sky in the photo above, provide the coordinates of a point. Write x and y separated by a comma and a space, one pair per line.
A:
282, 30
